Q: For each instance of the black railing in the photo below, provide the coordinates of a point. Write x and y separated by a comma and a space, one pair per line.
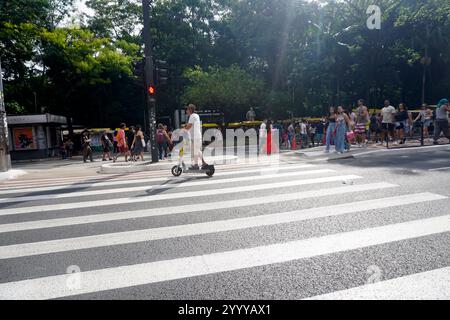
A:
420, 136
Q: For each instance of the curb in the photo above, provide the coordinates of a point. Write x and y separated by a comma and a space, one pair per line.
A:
357, 155
112, 168
11, 174
332, 157
410, 149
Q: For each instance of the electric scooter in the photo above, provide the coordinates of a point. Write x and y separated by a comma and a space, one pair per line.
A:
181, 168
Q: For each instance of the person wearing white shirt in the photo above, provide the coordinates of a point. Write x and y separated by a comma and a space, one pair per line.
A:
304, 134
195, 134
388, 119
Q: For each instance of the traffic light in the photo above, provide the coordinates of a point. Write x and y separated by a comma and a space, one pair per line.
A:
151, 90
161, 74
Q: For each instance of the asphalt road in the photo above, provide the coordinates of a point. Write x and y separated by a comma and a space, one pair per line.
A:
352, 228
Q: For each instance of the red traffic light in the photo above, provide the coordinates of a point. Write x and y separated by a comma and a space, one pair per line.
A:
151, 90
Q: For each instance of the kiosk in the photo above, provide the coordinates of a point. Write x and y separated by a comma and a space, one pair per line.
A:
36, 136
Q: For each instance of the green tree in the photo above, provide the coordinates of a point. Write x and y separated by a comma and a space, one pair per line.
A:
232, 90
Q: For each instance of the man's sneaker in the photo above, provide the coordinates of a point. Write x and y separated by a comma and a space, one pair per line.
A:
194, 167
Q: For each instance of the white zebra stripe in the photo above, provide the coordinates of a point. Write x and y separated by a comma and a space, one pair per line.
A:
120, 238
141, 274
172, 196
121, 181
163, 186
430, 285
116, 216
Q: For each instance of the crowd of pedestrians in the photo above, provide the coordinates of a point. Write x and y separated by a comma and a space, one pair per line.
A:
132, 144
344, 128
129, 143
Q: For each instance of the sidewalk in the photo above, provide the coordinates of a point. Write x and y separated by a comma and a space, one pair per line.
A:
318, 153
52, 168
11, 174
76, 168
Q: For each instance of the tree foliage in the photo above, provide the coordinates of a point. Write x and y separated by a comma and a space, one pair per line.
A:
228, 89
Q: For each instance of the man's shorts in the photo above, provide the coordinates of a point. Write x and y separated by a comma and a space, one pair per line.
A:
387, 127
196, 147
360, 128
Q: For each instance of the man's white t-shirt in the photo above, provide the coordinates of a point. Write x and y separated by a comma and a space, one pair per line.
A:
388, 114
303, 128
195, 132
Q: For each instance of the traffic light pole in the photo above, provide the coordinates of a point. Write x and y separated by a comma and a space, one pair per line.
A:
149, 81
5, 160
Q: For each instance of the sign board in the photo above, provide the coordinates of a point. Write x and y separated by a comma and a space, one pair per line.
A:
36, 118
23, 138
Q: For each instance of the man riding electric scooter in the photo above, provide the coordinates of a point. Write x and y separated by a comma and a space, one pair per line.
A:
195, 133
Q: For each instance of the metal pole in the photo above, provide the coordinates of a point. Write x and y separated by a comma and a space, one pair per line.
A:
5, 159
422, 138
149, 80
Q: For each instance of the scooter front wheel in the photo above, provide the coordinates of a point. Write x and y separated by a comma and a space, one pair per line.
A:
177, 171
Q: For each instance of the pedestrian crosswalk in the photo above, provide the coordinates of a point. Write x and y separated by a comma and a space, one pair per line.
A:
141, 232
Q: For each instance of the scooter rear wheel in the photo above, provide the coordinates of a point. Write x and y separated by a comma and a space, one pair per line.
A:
177, 171
211, 171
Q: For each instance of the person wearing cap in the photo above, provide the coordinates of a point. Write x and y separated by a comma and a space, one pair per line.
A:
195, 133
441, 123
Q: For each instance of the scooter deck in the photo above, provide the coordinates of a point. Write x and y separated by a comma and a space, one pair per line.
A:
196, 171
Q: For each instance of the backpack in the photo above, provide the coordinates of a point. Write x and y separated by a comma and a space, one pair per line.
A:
159, 137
